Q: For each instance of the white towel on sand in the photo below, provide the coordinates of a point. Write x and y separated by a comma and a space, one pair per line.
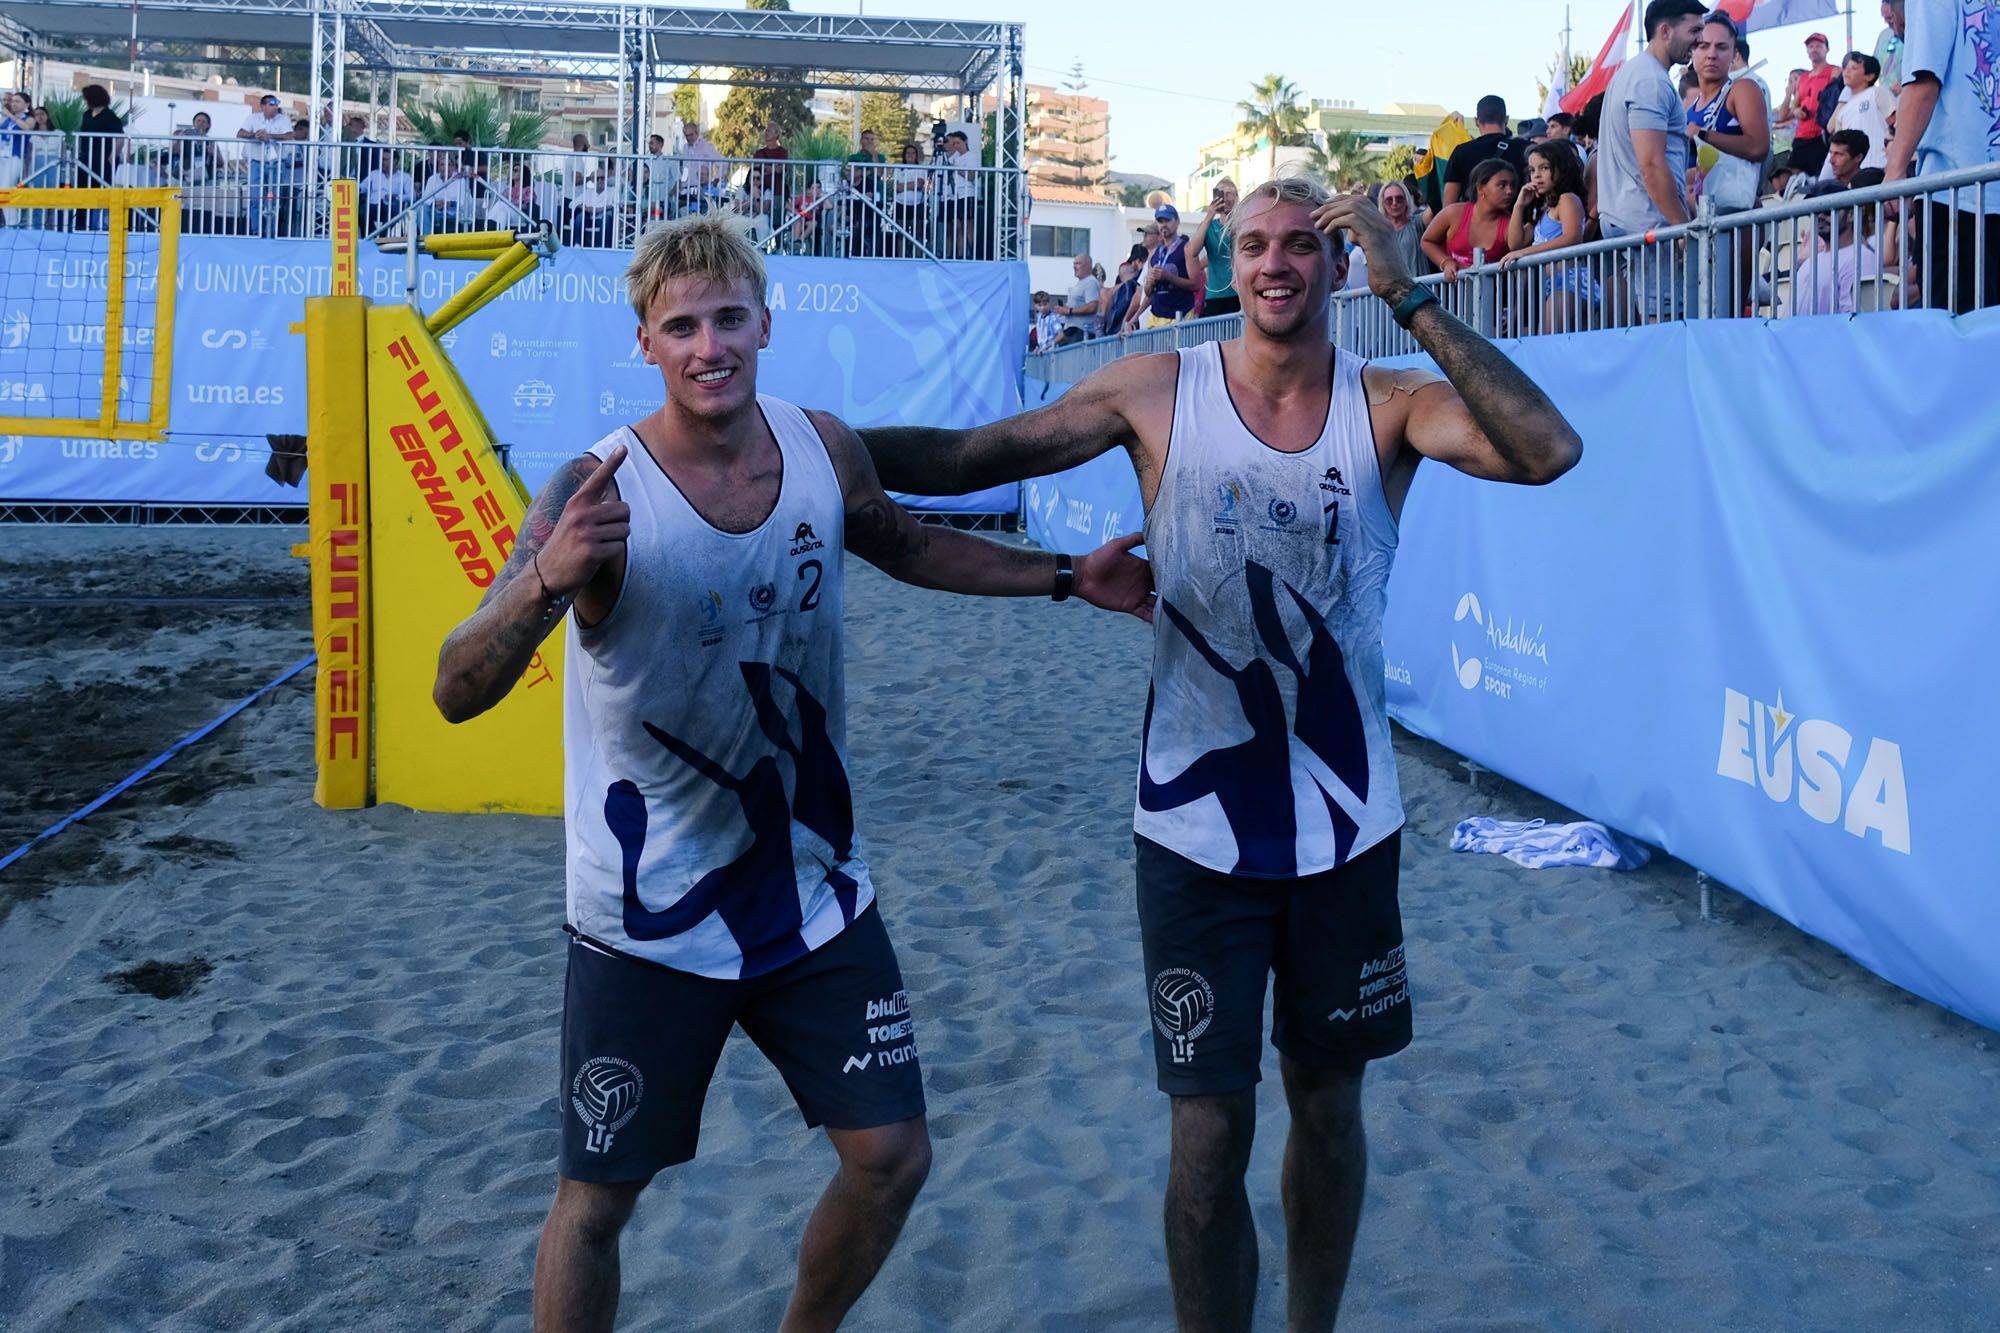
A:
1536, 842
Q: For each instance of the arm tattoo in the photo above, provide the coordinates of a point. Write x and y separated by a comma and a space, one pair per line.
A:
878, 534
1525, 429
544, 512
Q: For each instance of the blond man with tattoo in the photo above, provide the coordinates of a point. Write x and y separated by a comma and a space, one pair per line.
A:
714, 874
1273, 469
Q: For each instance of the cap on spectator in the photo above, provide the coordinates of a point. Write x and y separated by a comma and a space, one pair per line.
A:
1819, 37
1534, 126
1165, 211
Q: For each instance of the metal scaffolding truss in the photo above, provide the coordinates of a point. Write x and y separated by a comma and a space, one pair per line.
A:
637, 44
576, 38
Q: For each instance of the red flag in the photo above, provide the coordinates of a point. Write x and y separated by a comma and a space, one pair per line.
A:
1608, 61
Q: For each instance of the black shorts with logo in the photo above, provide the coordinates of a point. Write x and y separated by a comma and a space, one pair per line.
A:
1334, 939
640, 1042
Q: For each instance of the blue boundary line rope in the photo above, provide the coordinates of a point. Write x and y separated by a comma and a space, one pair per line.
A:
155, 762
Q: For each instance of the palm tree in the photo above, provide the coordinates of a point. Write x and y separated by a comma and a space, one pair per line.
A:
476, 114
1272, 113
1342, 158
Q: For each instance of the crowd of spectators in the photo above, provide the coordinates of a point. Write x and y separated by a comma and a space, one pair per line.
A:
935, 199
1686, 126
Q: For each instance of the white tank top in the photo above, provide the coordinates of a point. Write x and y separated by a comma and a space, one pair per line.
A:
710, 826
1266, 746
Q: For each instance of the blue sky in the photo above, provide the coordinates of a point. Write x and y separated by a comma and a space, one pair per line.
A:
1173, 70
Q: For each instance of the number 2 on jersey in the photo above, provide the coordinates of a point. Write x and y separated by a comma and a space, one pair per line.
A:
809, 599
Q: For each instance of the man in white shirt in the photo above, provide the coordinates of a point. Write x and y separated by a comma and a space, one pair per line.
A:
659, 177
594, 212
695, 148
1824, 281
384, 190
1079, 307
960, 191
269, 128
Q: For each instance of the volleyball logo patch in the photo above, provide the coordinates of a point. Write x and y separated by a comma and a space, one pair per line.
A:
1183, 1007
605, 1094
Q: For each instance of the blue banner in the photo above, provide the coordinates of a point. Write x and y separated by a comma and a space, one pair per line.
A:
554, 362
1081, 509
1742, 629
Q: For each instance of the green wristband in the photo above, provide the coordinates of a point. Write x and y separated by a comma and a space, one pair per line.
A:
1407, 308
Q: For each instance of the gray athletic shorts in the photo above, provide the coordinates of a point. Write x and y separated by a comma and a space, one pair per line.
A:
640, 1042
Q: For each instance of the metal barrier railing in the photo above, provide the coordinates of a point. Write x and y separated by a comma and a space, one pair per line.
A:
239, 187
1854, 252
1896, 245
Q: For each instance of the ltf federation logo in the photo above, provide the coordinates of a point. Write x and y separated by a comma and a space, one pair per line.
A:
1767, 747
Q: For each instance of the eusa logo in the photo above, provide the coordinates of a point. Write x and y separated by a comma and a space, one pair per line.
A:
1811, 760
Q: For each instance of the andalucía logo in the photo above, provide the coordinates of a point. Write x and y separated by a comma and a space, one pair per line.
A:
1765, 746
804, 540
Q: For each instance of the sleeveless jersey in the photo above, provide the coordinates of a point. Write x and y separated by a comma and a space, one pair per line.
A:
1266, 745
707, 811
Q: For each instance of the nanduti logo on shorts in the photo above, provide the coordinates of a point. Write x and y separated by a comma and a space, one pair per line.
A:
605, 1094
1183, 1007
1765, 746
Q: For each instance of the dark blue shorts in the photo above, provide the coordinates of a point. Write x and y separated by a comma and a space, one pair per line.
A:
1211, 940
640, 1042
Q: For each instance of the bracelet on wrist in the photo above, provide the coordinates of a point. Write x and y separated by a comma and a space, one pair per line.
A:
1065, 578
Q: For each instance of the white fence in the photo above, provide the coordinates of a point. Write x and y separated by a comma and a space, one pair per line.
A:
238, 187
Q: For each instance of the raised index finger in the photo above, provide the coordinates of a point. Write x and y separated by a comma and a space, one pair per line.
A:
593, 485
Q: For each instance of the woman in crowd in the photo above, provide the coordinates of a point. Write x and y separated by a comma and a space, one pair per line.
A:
1584, 134
908, 185
1476, 223
1729, 140
1864, 105
1548, 215
1406, 221
1209, 253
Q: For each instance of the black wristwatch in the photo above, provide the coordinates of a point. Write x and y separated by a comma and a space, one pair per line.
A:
1065, 578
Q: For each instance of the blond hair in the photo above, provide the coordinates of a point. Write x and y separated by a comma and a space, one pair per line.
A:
715, 246
1282, 190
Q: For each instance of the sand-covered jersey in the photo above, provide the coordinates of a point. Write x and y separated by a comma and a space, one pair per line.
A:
1266, 746
707, 811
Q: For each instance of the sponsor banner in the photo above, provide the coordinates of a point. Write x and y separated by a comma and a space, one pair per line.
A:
1736, 631
1081, 509
553, 363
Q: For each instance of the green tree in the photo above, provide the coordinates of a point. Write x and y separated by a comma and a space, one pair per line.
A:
893, 120
687, 103
475, 113
1132, 194
1273, 113
1081, 163
1398, 162
1343, 158
740, 120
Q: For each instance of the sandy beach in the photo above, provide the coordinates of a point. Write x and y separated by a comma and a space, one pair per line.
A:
339, 1110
